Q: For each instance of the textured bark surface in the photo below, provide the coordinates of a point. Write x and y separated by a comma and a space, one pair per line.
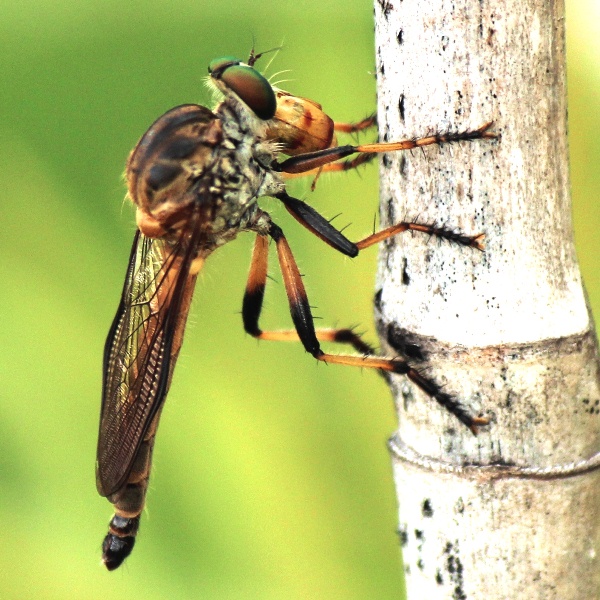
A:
507, 331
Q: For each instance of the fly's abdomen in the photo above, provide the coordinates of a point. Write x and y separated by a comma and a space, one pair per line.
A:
128, 503
119, 541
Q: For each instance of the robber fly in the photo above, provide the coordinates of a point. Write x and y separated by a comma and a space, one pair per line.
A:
195, 178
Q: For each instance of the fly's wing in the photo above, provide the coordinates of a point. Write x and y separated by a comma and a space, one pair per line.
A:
139, 354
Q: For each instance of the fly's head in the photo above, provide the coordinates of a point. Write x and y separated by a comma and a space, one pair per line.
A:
243, 84
213, 165
294, 124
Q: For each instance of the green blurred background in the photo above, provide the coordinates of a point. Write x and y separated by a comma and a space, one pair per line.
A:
271, 476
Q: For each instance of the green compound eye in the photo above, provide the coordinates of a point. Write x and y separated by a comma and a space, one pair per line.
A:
218, 65
251, 87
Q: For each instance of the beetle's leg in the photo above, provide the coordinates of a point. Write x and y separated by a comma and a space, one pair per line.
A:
307, 216
306, 333
344, 165
355, 127
313, 160
346, 128
255, 287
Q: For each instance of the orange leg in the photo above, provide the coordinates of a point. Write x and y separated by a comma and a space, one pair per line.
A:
307, 216
334, 167
306, 333
310, 161
355, 127
346, 165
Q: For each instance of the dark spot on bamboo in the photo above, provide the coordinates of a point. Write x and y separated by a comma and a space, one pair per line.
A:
402, 168
377, 300
386, 7
403, 535
426, 508
405, 275
455, 569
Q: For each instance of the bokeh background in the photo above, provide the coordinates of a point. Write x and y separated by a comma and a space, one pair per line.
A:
271, 476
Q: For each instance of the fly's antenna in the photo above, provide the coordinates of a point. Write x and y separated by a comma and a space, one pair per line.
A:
276, 50
254, 57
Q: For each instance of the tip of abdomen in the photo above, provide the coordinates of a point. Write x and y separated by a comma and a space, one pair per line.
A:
119, 541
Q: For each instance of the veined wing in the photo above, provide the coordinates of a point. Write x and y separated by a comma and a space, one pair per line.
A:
141, 350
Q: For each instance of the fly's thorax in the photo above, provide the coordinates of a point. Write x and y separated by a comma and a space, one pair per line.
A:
237, 183
242, 172
194, 165
177, 150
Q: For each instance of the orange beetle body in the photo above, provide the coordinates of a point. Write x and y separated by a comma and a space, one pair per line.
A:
300, 125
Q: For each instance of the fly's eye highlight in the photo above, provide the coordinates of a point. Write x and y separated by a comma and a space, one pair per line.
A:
218, 65
247, 83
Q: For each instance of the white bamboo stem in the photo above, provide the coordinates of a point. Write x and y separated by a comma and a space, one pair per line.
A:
507, 331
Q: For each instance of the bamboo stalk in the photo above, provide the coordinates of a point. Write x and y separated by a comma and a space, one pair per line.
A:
514, 512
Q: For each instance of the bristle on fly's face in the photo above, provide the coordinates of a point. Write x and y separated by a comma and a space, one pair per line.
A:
215, 93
